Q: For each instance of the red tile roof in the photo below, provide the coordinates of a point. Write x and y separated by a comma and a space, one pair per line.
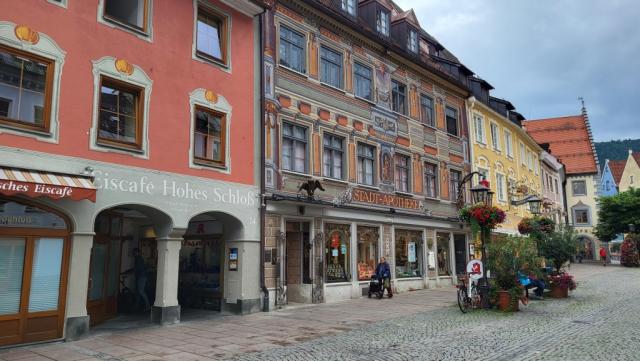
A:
636, 156
568, 140
617, 168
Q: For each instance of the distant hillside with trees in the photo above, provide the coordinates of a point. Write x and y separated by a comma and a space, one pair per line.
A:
616, 149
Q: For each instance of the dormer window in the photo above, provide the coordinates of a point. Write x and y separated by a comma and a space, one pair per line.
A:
412, 41
349, 6
382, 22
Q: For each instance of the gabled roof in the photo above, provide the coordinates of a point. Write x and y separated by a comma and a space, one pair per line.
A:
636, 156
408, 15
568, 139
617, 168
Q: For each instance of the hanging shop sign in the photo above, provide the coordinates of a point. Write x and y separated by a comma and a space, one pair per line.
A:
386, 200
41, 184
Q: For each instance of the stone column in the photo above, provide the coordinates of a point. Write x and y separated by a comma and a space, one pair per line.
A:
166, 309
77, 319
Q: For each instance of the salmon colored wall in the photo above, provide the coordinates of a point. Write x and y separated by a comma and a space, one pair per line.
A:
167, 61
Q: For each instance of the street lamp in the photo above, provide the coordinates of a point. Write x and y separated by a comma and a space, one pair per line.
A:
481, 193
534, 204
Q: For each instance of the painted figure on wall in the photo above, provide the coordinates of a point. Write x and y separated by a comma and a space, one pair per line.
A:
386, 167
383, 80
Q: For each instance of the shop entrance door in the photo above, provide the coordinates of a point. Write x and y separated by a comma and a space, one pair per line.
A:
460, 244
104, 279
298, 262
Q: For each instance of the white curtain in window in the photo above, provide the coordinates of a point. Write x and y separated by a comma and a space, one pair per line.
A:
11, 268
45, 276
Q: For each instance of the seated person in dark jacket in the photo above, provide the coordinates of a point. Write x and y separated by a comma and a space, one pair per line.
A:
383, 273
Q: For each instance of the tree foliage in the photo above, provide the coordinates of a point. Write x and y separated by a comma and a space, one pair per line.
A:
508, 255
559, 246
617, 213
629, 251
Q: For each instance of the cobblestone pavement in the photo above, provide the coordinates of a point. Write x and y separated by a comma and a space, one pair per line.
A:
600, 321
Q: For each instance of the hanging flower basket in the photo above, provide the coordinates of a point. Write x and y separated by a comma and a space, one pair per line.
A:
482, 217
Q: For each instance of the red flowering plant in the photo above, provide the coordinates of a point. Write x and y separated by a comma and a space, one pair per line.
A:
562, 280
482, 217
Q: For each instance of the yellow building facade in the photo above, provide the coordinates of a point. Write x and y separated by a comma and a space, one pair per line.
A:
506, 155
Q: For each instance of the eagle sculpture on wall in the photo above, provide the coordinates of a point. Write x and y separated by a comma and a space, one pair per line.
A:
310, 187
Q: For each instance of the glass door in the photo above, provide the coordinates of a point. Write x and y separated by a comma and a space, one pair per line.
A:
97, 278
12, 252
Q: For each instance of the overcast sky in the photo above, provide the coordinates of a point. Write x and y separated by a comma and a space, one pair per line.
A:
542, 55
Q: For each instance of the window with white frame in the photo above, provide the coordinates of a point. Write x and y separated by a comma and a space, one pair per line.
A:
431, 180
349, 6
530, 159
523, 159
292, 49
382, 22
330, 67
402, 171
579, 188
478, 124
412, 41
581, 216
535, 164
130, 13
333, 156
294, 147
501, 187
366, 164
508, 145
495, 136
362, 79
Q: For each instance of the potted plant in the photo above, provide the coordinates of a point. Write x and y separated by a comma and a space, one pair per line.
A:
560, 284
507, 256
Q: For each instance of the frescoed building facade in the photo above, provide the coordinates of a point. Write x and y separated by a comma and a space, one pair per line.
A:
570, 140
364, 103
503, 153
128, 139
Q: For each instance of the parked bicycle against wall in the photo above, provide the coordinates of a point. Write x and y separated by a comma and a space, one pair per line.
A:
468, 295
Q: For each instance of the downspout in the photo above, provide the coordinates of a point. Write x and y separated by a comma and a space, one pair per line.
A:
263, 287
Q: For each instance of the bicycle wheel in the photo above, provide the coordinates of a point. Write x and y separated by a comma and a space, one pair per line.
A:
463, 300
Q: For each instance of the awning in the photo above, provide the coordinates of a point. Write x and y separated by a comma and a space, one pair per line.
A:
34, 184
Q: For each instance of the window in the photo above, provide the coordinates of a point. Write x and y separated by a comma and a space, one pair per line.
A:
427, 111
398, 97
581, 216
24, 89
607, 185
444, 254
382, 22
402, 173
408, 253
523, 159
294, 148
555, 181
631, 179
120, 114
292, 49
330, 67
412, 41
495, 136
500, 187
367, 252
530, 159
362, 76
332, 156
431, 180
454, 179
535, 164
478, 124
579, 188
349, 6
366, 164
131, 13
507, 143
337, 251
452, 121
211, 35
209, 137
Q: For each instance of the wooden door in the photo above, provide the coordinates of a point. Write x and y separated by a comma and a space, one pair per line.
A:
33, 274
104, 279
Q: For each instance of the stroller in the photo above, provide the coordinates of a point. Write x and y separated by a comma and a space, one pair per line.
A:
376, 287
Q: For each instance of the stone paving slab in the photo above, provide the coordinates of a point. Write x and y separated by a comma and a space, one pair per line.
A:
594, 323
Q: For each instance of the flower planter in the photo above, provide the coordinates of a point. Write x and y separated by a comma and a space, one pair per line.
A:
559, 292
505, 303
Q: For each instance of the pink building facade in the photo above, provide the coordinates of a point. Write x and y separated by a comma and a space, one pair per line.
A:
129, 140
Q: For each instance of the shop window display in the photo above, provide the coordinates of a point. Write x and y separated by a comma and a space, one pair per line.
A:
200, 273
367, 252
337, 252
444, 255
408, 253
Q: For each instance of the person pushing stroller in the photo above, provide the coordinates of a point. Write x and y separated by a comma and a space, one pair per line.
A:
383, 273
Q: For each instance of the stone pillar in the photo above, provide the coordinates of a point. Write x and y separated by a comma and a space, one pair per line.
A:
77, 319
166, 309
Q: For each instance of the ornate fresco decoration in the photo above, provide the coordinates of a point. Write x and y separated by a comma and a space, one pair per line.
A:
386, 165
208, 98
383, 84
122, 70
25, 38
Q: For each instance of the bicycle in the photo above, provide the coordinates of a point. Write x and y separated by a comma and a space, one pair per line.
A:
468, 296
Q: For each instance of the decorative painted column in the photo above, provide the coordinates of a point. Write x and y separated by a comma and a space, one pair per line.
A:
77, 319
166, 309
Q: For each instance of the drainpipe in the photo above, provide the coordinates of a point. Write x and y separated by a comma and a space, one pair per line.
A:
263, 287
